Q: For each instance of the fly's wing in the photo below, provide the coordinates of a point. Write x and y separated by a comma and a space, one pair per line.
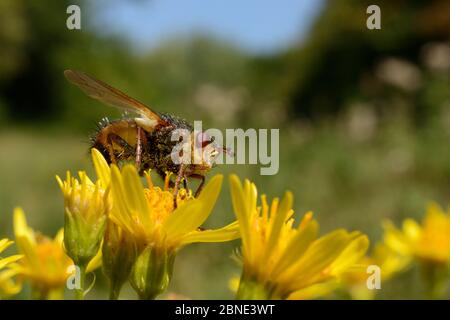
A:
103, 92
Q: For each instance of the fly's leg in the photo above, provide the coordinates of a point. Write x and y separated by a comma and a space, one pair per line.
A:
180, 176
116, 139
200, 186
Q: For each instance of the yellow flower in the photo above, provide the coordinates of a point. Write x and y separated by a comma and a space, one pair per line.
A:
428, 242
86, 208
119, 254
44, 263
389, 262
7, 286
119, 250
148, 215
279, 259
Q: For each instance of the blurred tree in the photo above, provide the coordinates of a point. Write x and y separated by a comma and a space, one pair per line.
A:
12, 38
173, 74
337, 62
341, 61
32, 32
36, 47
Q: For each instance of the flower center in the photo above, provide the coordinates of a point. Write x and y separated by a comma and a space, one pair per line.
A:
161, 201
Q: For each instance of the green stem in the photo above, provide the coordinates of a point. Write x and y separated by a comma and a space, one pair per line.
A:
148, 297
79, 292
152, 272
251, 289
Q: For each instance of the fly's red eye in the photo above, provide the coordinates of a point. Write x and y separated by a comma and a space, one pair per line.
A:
204, 139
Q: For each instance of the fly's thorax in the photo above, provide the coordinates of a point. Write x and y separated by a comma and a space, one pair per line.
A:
158, 150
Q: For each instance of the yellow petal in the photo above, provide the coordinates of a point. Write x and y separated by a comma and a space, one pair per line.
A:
101, 167
389, 261
353, 253
95, 263
395, 239
240, 210
185, 218
120, 211
24, 236
315, 291
85, 180
59, 237
5, 243
7, 286
178, 223
251, 194
227, 233
5, 261
284, 209
208, 198
20, 225
317, 258
134, 195
297, 246
60, 183
412, 229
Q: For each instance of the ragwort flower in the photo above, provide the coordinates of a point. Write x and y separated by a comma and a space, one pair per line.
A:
8, 287
44, 263
427, 243
86, 207
159, 229
280, 260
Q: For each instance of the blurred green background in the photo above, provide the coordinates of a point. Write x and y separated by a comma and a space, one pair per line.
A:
364, 116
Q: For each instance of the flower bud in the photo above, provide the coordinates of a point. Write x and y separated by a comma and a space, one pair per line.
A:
87, 206
251, 289
152, 272
118, 254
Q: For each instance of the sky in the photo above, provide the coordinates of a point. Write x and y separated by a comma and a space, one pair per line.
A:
256, 26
